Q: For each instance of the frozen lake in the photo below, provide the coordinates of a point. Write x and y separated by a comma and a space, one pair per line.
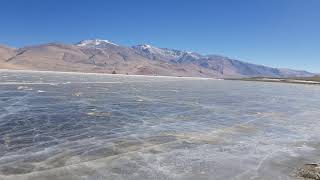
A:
90, 126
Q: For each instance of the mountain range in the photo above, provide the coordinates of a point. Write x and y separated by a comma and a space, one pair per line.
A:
103, 56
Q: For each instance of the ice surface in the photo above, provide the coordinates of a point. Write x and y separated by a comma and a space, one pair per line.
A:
93, 126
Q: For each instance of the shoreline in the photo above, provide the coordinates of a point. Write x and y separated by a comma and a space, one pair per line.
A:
106, 74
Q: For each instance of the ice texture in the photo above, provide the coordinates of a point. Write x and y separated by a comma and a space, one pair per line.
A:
94, 126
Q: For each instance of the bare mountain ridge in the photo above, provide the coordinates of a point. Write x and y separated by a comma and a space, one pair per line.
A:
103, 56
223, 65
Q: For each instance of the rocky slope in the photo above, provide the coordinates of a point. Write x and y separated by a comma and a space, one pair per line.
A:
103, 56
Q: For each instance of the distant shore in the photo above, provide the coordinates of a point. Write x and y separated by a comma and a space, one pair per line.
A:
297, 80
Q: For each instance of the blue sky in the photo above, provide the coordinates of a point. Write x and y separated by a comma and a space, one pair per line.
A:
278, 33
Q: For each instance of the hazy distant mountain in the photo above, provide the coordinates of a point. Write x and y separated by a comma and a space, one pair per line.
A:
104, 56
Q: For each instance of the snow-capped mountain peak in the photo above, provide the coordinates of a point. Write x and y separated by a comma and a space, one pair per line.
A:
145, 46
164, 53
98, 43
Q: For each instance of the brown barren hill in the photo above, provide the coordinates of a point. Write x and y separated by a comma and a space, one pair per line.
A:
102, 56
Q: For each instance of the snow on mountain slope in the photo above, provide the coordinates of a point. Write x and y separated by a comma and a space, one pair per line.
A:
96, 43
155, 53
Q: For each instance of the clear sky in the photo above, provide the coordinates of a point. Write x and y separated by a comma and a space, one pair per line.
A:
278, 33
